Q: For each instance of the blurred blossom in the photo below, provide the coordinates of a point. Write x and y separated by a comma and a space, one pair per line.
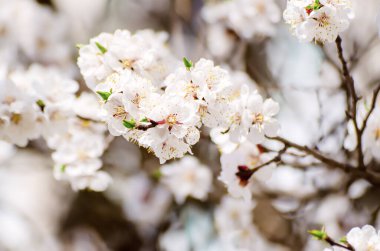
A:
187, 177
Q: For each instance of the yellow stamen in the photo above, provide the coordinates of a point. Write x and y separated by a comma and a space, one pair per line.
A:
16, 118
258, 118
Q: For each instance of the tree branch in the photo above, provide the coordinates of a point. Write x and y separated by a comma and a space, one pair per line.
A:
372, 107
349, 82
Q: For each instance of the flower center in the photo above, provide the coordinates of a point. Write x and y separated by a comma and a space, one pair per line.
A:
16, 118
258, 118
119, 112
191, 89
324, 20
137, 99
171, 120
236, 119
127, 63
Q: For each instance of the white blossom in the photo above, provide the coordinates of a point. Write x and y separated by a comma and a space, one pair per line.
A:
318, 20
187, 177
239, 170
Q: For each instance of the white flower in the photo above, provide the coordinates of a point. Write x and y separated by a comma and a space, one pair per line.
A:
252, 118
143, 201
187, 177
77, 154
37, 33
87, 106
97, 181
92, 62
116, 115
247, 18
321, 21
20, 118
233, 214
175, 128
201, 82
364, 239
139, 95
261, 117
238, 170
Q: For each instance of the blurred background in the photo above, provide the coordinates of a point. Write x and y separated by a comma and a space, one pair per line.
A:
137, 212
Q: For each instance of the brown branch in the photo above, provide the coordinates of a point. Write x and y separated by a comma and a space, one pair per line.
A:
372, 107
328, 161
331, 242
349, 82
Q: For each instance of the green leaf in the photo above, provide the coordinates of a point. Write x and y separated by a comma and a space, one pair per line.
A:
318, 234
188, 64
129, 124
101, 48
144, 120
41, 104
104, 95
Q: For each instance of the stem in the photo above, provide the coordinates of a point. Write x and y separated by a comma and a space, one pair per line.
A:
349, 82
328, 161
333, 243
373, 105
331, 163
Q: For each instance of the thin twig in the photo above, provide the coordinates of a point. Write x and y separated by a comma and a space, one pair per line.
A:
349, 82
333, 243
328, 161
372, 107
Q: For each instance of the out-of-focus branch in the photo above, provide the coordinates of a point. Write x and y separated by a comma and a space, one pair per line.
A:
372, 107
349, 82
328, 161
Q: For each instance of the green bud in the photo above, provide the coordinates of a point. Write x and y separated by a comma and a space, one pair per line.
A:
188, 64
343, 240
157, 174
63, 168
104, 95
101, 48
318, 234
129, 124
144, 120
41, 104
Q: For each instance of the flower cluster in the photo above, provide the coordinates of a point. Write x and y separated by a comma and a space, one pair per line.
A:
43, 41
318, 20
245, 19
163, 111
41, 102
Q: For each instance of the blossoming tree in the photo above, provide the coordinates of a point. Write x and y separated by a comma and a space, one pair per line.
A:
187, 114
